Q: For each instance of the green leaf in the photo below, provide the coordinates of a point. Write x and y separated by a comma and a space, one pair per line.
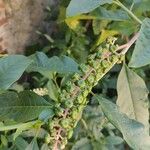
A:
77, 7
141, 53
103, 13
40, 64
21, 127
113, 140
20, 143
44, 147
46, 66
63, 65
35, 132
104, 35
133, 96
52, 90
21, 107
99, 25
13, 125
82, 144
125, 27
11, 69
137, 1
46, 114
4, 140
133, 131
33, 145
141, 6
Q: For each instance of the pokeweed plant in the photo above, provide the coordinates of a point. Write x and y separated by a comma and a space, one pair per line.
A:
50, 107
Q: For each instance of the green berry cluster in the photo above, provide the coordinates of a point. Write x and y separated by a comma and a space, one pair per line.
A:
72, 99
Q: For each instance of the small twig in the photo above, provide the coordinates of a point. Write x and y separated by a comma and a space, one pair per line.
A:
130, 43
131, 7
121, 47
125, 47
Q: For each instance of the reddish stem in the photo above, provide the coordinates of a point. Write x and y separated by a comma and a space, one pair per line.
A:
126, 46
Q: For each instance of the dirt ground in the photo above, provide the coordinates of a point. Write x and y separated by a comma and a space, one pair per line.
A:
18, 22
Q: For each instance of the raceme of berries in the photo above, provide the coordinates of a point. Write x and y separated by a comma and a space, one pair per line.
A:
73, 97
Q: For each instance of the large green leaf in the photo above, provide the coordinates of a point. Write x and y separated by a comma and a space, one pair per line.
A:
141, 6
63, 65
133, 132
82, 144
103, 13
133, 96
77, 7
125, 27
11, 69
40, 64
141, 53
33, 145
21, 107
46, 66
20, 143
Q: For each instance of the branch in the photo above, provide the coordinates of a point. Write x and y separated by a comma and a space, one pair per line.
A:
126, 46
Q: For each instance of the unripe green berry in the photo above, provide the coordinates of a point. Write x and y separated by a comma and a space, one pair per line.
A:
65, 123
96, 65
113, 48
80, 99
84, 68
81, 84
92, 57
53, 132
85, 93
67, 96
69, 85
90, 62
57, 105
105, 63
51, 125
68, 103
91, 79
80, 108
71, 88
100, 73
99, 52
64, 92
113, 58
75, 114
59, 111
76, 77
